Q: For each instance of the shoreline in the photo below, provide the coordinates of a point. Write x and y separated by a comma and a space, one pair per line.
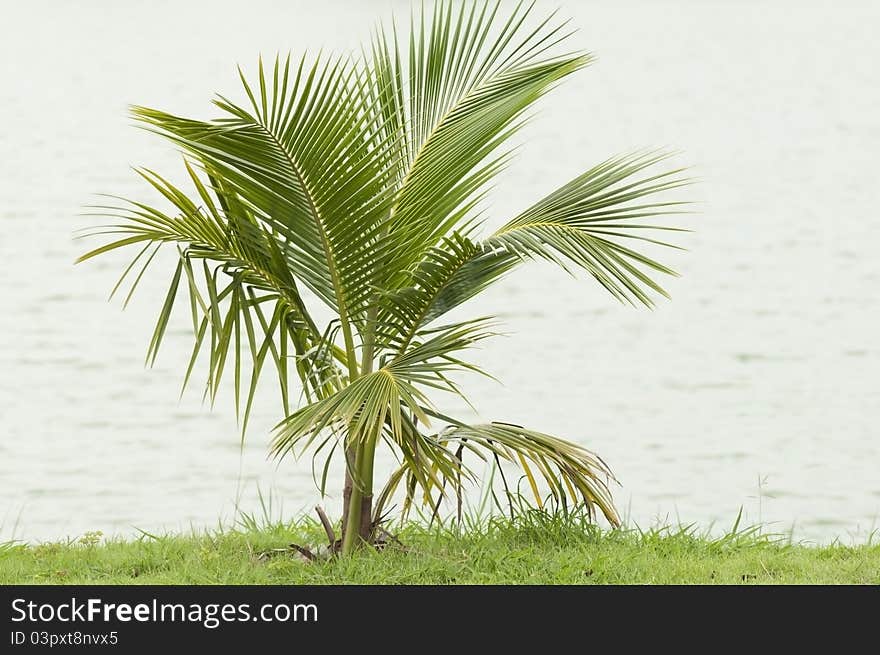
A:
539, 549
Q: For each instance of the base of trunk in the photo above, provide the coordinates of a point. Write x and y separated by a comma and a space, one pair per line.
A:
366, 526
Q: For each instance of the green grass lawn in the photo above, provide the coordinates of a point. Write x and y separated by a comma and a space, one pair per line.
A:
536, 549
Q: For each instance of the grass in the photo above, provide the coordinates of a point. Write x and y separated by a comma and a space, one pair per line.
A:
535, 548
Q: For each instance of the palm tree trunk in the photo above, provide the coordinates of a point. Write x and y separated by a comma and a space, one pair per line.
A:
358, 520
357, 508
346, 489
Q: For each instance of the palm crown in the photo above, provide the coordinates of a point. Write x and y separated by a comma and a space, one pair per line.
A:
360, 179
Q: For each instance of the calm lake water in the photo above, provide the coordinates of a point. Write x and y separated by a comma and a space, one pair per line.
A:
755, 387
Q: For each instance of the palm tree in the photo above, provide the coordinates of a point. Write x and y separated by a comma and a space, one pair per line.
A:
357, 182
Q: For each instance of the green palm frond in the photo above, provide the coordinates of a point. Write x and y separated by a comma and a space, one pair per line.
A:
225, 318
460, 97
586, 221
407, 309
553, 468
307, 160
468, 280
572, 474
362, 408
434, 354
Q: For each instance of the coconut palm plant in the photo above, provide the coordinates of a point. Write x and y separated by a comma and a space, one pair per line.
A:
357, 182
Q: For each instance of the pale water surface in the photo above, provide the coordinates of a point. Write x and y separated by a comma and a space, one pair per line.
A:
757, 386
